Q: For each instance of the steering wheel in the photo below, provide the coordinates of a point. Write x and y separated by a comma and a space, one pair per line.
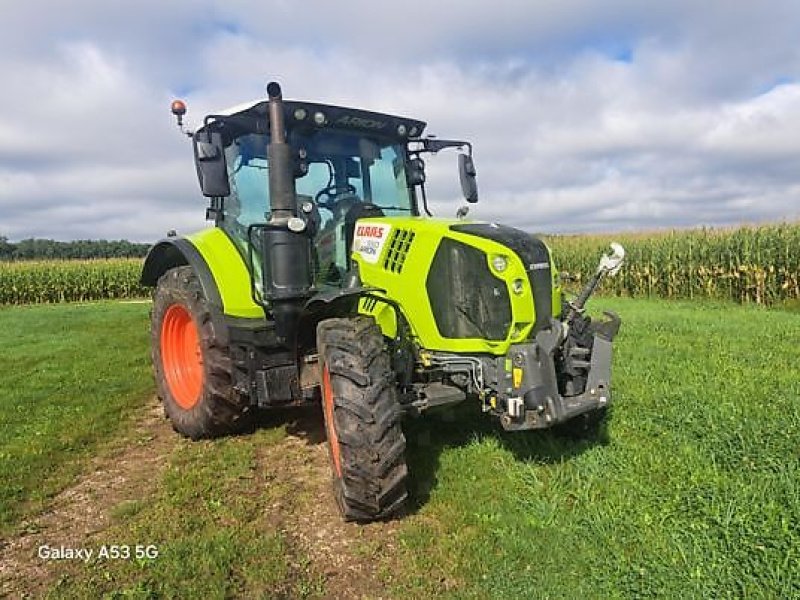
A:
331, 192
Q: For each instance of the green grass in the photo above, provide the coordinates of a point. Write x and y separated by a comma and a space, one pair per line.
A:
73, 377
693, 490
70, 376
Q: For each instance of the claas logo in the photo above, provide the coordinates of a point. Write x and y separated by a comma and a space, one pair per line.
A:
372, 231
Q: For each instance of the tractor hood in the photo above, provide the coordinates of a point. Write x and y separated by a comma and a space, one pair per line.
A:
463, 286
535, 258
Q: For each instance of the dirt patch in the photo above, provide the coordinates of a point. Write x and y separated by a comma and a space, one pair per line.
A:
121, 474
342, 555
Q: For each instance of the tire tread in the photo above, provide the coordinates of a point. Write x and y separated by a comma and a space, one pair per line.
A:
366, 419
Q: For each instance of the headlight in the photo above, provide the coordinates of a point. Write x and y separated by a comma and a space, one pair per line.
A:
499, 263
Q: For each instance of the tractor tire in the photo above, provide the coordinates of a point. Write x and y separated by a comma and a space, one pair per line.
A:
362, 420
193, 369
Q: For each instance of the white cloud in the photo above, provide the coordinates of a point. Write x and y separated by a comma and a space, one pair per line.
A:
639, 115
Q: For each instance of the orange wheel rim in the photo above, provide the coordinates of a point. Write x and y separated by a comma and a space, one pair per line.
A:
181, 356
327, 403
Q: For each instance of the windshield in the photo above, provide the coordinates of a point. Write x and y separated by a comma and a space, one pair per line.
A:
345, 170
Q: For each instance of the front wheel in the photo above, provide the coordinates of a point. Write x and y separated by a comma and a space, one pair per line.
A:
362, 419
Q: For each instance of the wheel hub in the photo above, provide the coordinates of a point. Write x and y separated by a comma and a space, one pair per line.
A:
181, 356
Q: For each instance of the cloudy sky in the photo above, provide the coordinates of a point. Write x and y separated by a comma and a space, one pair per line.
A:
585, 116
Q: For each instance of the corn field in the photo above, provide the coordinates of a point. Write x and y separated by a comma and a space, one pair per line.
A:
757, 265
31, 282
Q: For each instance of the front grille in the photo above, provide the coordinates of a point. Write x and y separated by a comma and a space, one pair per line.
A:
399, 245
536, 258
467, 300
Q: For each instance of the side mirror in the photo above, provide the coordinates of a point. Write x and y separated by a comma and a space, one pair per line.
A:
209, 158
416, 172
466, 173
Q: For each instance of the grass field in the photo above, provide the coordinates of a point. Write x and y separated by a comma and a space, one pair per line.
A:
692, 490
70, 376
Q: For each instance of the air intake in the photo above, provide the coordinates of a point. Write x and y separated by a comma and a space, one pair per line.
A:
399, 245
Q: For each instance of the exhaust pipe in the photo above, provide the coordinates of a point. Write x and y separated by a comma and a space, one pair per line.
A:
286, 255
281, 178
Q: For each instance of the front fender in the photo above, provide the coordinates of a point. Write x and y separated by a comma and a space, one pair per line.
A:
334, 302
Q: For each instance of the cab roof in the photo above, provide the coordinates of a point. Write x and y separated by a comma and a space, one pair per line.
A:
252, 117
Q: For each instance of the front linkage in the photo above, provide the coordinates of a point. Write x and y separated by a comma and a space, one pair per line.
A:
562, 373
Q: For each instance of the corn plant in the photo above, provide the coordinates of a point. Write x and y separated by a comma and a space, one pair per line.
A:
32, 282
758, 265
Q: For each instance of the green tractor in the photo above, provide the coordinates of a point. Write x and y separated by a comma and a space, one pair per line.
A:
325, 279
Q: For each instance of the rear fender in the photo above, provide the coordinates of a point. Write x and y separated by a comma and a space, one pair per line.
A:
177, 252
219, 265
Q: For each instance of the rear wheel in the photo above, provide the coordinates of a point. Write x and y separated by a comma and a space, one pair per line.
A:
362, 419
193, 368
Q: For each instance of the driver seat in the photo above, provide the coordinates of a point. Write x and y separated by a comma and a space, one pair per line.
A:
358, 211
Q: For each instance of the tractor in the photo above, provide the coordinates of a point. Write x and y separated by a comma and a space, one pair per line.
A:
326, 279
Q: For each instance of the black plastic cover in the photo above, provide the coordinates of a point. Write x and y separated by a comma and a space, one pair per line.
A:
535, 257
254, 120
467, 300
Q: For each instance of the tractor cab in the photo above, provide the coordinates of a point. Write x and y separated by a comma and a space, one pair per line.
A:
342, 176
347, 164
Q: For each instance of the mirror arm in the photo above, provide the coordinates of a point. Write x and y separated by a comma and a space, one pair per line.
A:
208, 118
434, 145
222, 119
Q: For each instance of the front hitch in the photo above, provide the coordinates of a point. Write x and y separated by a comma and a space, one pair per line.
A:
610, 264
535, 400
566, 370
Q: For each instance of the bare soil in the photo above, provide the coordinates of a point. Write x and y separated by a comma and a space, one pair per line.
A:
74, 515
343, 556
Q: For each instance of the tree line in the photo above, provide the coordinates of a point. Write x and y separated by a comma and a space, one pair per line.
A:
31, 249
